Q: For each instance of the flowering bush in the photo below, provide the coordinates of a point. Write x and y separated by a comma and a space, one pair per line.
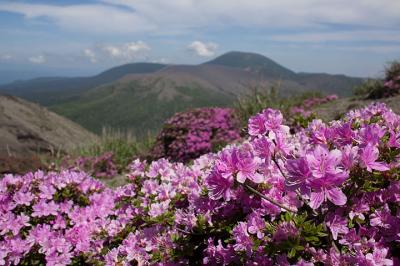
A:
393, 85
51, 218
376, 89
101, 166
188, 135
328, 194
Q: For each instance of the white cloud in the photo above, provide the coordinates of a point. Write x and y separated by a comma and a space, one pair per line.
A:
126, 51
161, 60
270, 14
6, 57
203, 49
39, 59
117, 52
90, 55
160, 16
91, 18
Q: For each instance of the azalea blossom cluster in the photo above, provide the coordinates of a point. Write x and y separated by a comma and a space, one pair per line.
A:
392, 79
101, 166
187, 135
393, 85
390, 85
328, 194
51, 218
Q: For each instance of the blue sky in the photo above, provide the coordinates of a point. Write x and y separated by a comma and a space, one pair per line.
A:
82, 37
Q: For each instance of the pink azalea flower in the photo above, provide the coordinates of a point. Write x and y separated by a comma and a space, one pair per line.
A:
111, 257
349, 156
378, 257
257, 125
219, 186
371, 134
319, 132
298, 174
256, 225
23, 198
242, 238
157, 209
394, 139
13, 223
239, 162
344, 135
338, 225
274, 120
368, 157
263, 147
334, 195
42, 208
47, 191
327, 176
59, 223
304, 263
322, 161
268, 120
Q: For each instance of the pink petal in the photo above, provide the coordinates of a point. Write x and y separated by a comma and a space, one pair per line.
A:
240, 177
336, 196
379, 166
257, 178
316, 199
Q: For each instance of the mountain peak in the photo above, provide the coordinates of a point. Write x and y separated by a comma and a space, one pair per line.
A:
252, 62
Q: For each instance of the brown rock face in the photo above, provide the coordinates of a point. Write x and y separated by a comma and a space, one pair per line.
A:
27, 129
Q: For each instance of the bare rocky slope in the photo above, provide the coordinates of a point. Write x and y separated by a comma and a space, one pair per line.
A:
335, 109
27, 128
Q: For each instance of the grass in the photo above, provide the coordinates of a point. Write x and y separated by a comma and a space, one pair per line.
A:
260, 97
123, 144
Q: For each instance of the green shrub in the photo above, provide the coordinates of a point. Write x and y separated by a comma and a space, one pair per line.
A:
392, 71
368, 87
377, 89
260, 97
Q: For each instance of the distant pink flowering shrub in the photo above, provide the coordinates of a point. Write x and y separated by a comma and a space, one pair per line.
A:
326, 195
300, 115
101, 166
187, 135
392, 79
391, 84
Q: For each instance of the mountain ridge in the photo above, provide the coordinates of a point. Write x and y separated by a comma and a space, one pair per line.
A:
47, 90
132, 95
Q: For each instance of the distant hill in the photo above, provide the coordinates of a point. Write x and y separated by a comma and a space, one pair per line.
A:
27, 128
141, 96
268, 69
336, 84
140, 103
254, 63
55, 90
